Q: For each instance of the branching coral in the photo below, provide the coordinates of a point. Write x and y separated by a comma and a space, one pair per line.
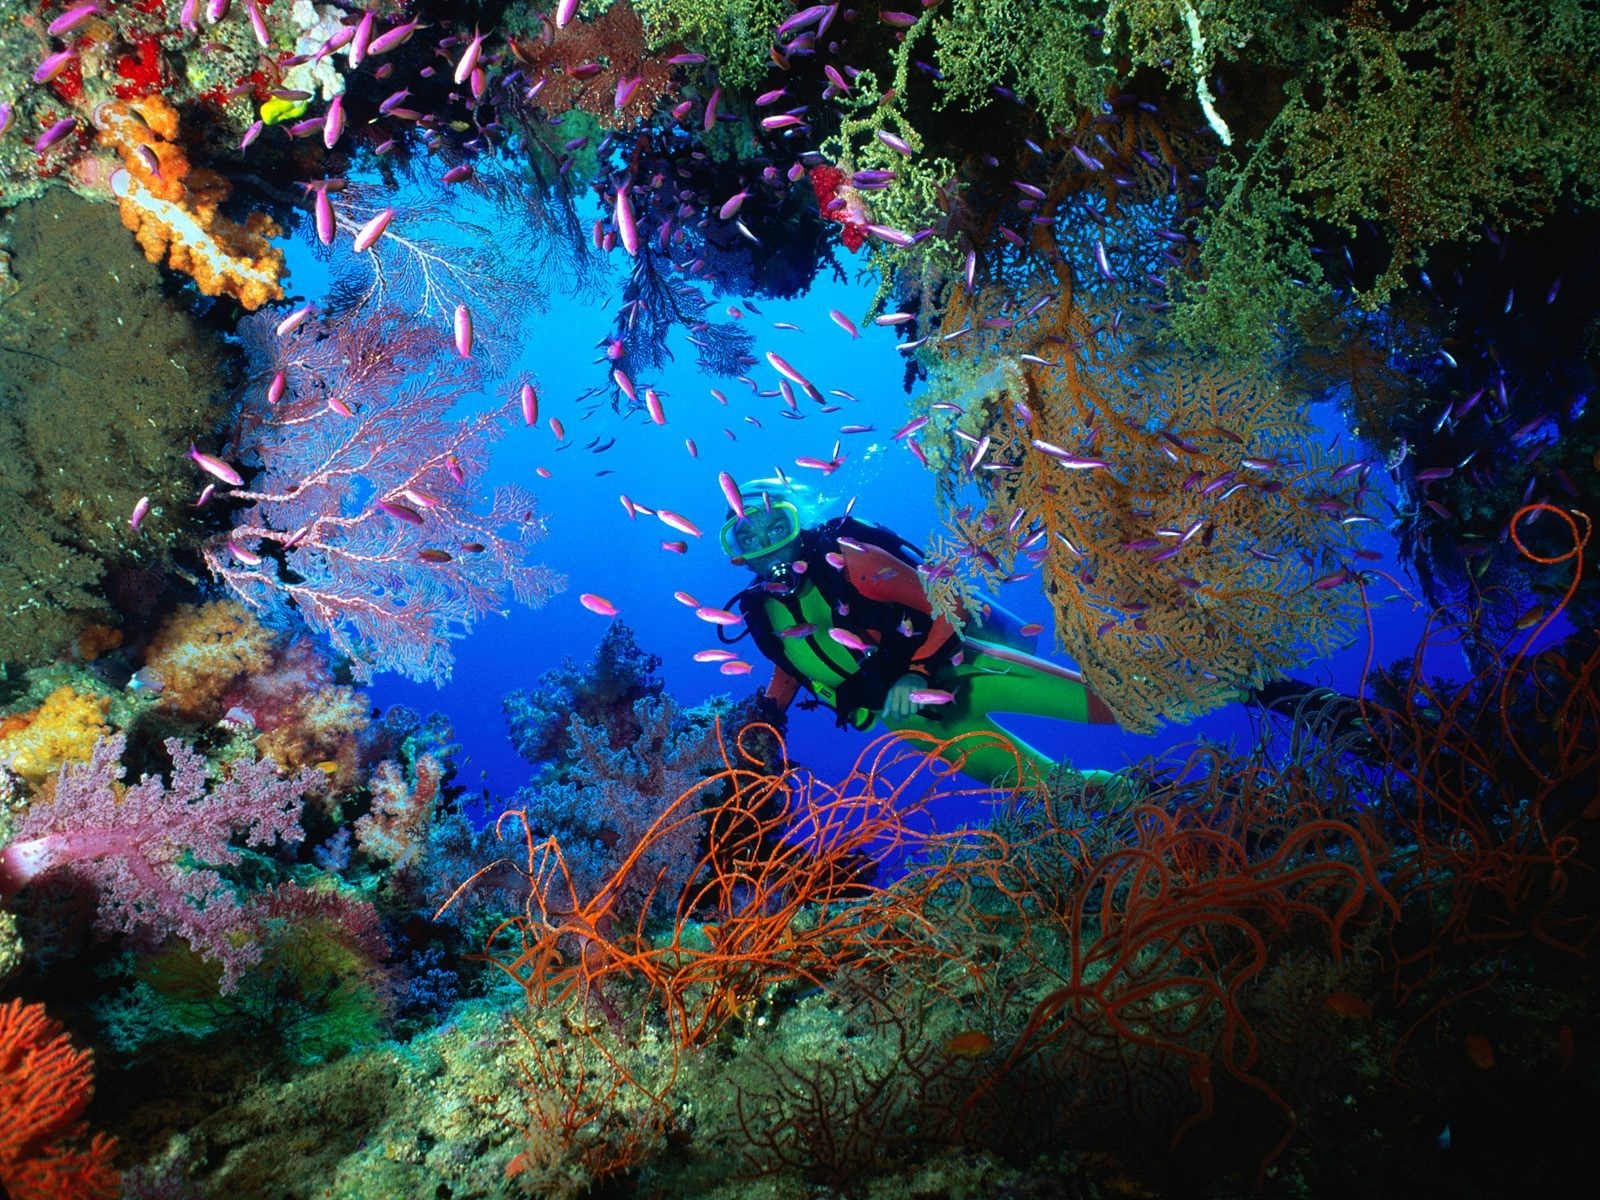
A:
45, 1086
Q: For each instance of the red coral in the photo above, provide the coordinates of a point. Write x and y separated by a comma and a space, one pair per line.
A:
45, 1086
142, 72
839, 202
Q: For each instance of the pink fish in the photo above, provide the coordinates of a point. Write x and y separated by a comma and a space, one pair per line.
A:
694, 451
53, 64
930, 696
847, 639
898, 144
362, 40
710, 120
205, 495
336, 404
372, 230
420, 498
469, 59
215, 466
275, 387
597, 604
714, 656
565, 11
675, 547
333, 123
652, 404
323, 208
717, 616
245, 555
558, 429
71, 19
730, 490
400, 512
797, 631
463, 331
737, 667
294, 320
844, 322
620, 377
1032, 629
732, 205
530, 405
54, 134
391, 38
452, 464
139, 511
686, 598
627, 230
680, 523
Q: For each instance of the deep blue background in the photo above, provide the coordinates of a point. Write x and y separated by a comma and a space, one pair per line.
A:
592, 540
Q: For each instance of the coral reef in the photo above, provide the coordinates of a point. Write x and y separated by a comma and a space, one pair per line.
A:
45, 1086
104, 381
173, 208
34, 744
150, 851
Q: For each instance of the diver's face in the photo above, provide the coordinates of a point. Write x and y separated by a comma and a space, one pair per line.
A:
762, 528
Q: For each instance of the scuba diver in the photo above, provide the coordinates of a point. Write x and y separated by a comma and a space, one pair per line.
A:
840, 609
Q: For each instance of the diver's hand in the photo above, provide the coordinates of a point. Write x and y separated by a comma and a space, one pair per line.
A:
897, 706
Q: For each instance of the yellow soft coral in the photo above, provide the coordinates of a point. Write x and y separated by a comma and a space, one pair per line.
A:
172, 207
200, 650
321, 731
63, 729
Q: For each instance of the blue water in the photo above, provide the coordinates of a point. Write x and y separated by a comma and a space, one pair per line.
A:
601, 550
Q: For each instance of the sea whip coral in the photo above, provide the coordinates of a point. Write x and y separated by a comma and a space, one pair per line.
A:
172, 207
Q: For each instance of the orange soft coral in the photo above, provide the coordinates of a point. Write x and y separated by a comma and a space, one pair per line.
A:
201, 650
173, 208
45, 1086
63, 729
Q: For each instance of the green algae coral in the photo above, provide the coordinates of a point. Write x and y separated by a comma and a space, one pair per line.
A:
103, 381
734, 34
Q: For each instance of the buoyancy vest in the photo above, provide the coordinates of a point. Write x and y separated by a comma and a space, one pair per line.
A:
853, 683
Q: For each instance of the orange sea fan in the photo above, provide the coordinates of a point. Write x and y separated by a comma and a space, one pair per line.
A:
45, 1086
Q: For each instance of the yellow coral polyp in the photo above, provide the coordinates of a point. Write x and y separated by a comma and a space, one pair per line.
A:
173, 208
61, 730
200, 650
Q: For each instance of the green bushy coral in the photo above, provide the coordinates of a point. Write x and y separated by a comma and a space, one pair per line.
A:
316, 994
734, 34
103, 381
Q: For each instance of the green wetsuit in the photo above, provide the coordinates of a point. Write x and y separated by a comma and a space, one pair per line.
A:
886, 608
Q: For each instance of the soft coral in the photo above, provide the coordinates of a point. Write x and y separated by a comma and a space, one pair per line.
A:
45, 1085
136, 845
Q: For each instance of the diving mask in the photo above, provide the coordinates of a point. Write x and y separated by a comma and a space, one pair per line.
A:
761, 531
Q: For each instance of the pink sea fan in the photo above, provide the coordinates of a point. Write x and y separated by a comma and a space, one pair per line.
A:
149, 850
365, 513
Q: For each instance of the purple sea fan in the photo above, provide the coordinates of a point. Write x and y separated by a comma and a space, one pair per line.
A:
368, 523
132, 847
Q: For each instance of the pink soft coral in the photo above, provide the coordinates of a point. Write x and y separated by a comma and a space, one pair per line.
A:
132, 847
